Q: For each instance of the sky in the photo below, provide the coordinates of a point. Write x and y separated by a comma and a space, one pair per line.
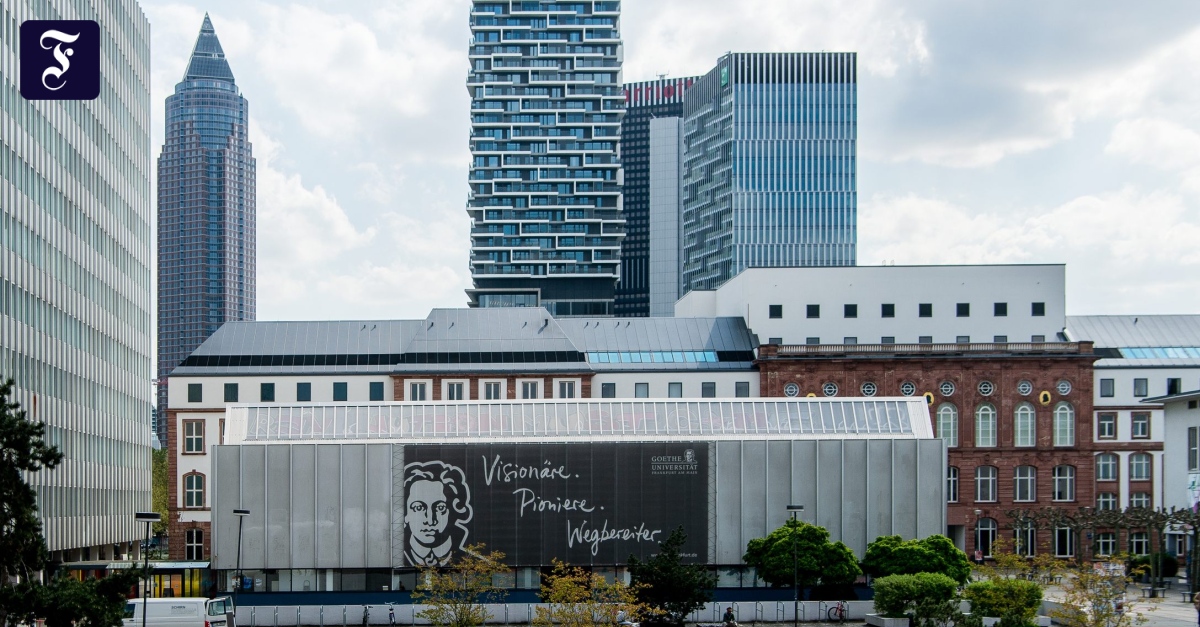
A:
989, 132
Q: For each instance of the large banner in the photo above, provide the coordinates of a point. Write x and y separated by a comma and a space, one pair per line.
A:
580, 503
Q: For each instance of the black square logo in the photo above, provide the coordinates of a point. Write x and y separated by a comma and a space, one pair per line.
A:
60, 59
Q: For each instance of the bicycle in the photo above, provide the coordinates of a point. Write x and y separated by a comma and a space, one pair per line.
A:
366, 615
838, 612
392, 614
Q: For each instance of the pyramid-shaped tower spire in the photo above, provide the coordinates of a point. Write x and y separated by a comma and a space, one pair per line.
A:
208, 59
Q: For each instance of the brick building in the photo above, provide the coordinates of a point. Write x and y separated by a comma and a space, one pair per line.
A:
1017, 418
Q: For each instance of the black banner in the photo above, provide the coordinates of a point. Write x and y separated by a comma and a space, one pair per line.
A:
580, 503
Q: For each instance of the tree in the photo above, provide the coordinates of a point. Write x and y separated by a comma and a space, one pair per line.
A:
892, 555
1095, 597
161, 489
671, 587
575, 597
456, 594
817, 560
928, 597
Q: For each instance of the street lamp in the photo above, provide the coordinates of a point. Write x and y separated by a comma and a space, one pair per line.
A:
794, 510
149, 518
241, 514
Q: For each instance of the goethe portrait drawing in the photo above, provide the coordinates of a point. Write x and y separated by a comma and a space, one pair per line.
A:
437, 508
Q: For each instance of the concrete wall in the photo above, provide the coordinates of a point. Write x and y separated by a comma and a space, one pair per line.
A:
665, 148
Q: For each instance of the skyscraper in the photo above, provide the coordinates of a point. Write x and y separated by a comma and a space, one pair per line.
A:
206, 209
769, 172
545, 179
75, 275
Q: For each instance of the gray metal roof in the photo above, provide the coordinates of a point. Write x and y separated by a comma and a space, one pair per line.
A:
342, 337
1138, 332
658, 334
489, 330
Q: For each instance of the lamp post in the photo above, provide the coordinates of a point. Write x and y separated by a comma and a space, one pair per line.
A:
149, 518
241, 515
794, 510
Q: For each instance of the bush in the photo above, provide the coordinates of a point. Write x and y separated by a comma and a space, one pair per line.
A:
1001, 598
891, 555
1167, 562
921, 593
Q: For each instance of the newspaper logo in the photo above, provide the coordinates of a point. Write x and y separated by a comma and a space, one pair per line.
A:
60, 59
685, 464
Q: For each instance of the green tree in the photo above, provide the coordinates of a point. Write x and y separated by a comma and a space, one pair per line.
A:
161, 488
1095, 596
671, 587
456, 594
574, 597
817, 560
892, 555
930, 598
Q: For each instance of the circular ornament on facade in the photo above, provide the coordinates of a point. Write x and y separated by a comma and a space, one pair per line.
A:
830, 389
1063, 387
946, 388
868, 389
908, 388
986, 388
791, 389
1024, 388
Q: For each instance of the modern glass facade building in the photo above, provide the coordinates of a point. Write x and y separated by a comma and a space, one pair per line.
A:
545, 179
769, 172
75, 279
206, 209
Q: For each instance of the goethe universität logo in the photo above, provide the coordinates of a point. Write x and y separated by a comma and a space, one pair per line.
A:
685, 464
437, 508
60, 59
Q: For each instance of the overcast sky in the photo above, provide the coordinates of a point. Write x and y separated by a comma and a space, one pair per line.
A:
1001, 132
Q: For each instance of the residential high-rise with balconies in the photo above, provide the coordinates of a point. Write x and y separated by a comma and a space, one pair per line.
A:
206, 209
545, 179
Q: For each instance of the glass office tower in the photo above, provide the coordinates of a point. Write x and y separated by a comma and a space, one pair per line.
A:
206, 210
545, 178
769, 176
75, 277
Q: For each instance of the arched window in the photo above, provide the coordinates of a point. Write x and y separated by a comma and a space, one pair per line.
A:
985, 484
193, 490
1024, 425
1064, 483
1064, 424
985, 425
985, 535
1106, 467
1106, 501
947, 421
1139, 467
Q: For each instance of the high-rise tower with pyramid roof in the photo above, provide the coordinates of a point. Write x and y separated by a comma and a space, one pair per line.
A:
206, 210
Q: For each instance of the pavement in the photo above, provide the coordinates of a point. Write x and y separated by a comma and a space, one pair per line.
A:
1170, 611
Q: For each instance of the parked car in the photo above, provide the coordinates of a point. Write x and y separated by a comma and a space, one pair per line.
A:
181, 612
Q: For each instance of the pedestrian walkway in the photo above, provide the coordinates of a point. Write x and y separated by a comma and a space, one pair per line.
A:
1170, 611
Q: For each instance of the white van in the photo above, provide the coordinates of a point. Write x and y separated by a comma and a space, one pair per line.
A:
181, 612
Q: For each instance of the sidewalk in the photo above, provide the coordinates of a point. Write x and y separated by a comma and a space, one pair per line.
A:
1165, 612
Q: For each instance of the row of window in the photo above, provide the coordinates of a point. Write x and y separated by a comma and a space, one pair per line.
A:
924, 310
266, 392
1025, 540
1024, 425
1141, 387
1139, 467
1024, 484
1106, 425
921, 339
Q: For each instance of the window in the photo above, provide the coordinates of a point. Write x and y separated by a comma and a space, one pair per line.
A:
812, 311
1106, 388
999, 310
674, 390
1139, 543
193, 490
1174, 386
849, 311
1139, 467
985, 483
416, 391
812, 341
339, 391
850, 340
1024, 388
1000, 339
887, 339
947, 422
1106, 467
962, 310
641, 390
193, 436
1064, 542
304, 392
925, 339
985, 425
529, 389
1140, 499
829, 389
985, 535
231, 392
195, 393
1063, 387
962, 339
1038, 309
266, 392
1106, 501
925, 310
1024, 425
741, 389
1064, 424
375, 390
946, 388
1025, 540
908, 388
194, 545
951, 484
1106, 543
608, 390
774, 311
492, 392
1140, 425
775, 340
1037, 338
708, 389
1025, 483
1106, 426
1193, 448
454, 391
1140, 388
868, 388
887, 310
1064, 483
566, 389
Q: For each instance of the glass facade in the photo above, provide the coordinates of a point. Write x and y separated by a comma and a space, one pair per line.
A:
206, 209
545, 177
769, 173
75, 279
